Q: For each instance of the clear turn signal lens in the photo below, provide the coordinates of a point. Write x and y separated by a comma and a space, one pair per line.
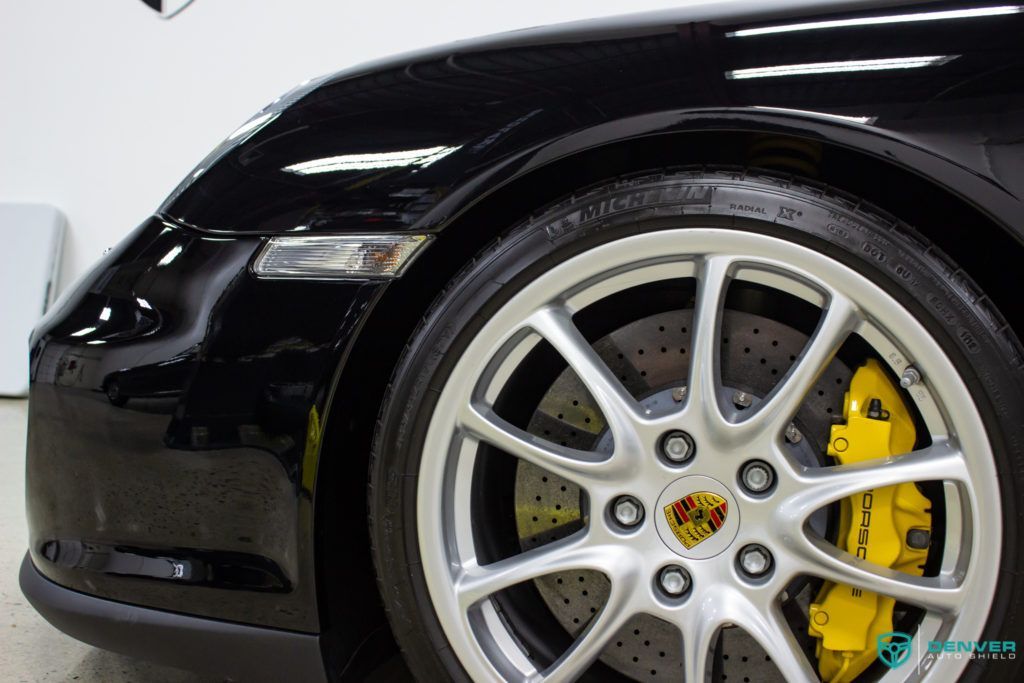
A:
338, 257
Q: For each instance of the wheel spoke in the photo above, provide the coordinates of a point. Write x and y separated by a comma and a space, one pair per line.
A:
712, 283
769, 628
782, 403
573, 552
579, 467
620, 409
816, 487
939, 594
588, 646
699, 633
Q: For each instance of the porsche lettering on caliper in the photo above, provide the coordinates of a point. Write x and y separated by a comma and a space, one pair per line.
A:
888, 526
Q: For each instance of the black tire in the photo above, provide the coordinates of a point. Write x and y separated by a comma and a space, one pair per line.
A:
942, 296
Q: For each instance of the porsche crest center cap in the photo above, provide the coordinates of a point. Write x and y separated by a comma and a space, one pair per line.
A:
697, 517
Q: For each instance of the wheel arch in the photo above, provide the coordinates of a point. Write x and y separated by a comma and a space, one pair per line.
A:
968, 215
867, 164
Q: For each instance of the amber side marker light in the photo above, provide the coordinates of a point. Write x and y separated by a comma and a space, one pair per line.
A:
338, 257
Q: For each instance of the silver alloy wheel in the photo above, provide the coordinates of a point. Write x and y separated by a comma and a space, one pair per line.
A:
956, 601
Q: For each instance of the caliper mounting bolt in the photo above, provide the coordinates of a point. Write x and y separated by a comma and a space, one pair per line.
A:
919, 539
910, 377
793, 434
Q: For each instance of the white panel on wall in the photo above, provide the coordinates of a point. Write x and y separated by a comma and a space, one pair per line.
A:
31, 236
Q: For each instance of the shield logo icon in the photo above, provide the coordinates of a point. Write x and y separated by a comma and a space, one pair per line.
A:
696, 517
894, 648
167, 8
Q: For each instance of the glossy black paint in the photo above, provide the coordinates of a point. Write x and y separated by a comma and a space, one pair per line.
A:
182, 410
198, 469
504, 108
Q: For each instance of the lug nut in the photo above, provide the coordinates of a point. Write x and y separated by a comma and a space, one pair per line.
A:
910, 377
674, 580
757, 476
627, 511
755, 560
678, 394
742, 399
677, 447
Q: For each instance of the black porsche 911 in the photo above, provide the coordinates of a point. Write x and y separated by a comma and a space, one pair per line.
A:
677, 346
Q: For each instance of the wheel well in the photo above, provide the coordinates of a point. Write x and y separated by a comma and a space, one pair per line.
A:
982, 248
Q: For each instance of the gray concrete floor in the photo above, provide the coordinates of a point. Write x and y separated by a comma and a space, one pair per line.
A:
30, 649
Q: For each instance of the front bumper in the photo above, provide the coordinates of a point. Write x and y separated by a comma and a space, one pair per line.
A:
233, 650
175, 417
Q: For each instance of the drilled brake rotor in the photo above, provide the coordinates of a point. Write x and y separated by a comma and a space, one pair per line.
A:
650, 356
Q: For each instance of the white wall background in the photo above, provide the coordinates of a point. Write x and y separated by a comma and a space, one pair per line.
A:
104, 106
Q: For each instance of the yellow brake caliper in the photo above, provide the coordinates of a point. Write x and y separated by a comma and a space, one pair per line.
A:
889, 526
